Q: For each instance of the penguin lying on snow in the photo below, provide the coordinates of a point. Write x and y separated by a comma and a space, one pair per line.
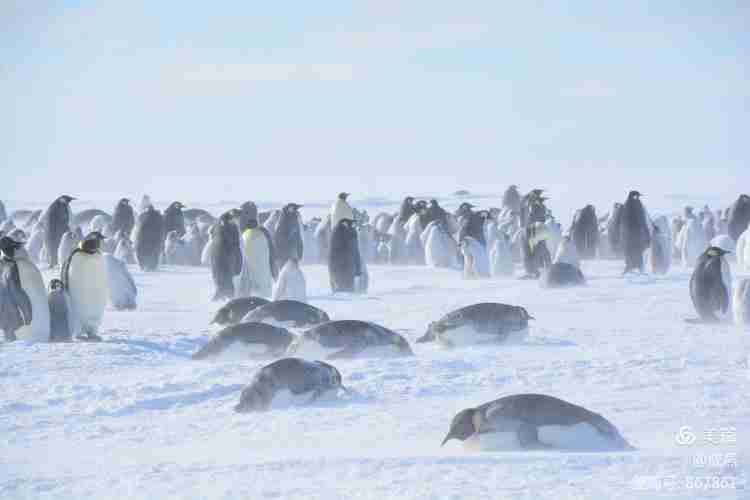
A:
257, 340
15, 305
287, 314
561, 275
486, 322
535, 421
289, 381
233, 311
349, 339
710, 286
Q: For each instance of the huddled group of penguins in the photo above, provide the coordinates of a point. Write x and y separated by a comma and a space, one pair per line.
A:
255, 256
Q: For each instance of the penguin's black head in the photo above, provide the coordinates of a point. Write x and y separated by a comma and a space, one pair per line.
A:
420, 205
343, 196
124, 201
66, 199
8, 246
716, 252
92, 242
293, 207
348, 223
433, 203
513, 187
634, 195
56, 284
463, 426
177, 205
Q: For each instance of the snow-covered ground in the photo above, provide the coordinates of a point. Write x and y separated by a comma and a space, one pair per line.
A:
135, 417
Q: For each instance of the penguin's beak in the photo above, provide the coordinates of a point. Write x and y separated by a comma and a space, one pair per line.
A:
447, 438
532, 317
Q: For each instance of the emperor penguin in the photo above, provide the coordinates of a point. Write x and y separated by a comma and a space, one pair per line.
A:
61, 317
739, 216
122, 289
258, 261
567, 252
741, 302
123, 217
476, 261
585, 232
341, 210
660, 254
57, 223
501, 257
534, 421
711, 286
344, 261
291, 284
287, 238
84, 275
225, 257
512, 198
635, 234
743, 251
15, 305
174, 219
149, 239
33, 284
692, 241
145, 204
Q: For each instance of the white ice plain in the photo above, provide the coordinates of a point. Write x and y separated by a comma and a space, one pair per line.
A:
135, 417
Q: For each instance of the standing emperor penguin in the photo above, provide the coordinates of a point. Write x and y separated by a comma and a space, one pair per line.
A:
15, 305
123, 218
585, 232
692, 242
84, 275
512, 199
33, 284
711, 286
341, 210
634, 232
660, 255
60, 311
259, 261
344, 262
613, 230
57, 223
226, 258
536, 255
174, 220
122, 289
739, 216
287, 239
291, 284
149, 234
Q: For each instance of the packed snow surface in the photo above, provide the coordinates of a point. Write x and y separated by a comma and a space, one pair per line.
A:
135, 417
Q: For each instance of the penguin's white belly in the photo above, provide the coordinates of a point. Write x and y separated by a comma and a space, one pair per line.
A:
494, 441
312, 350
88, 289
581, 436
33, 284
467, 335
244, 350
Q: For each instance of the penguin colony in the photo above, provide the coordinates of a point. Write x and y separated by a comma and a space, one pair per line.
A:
256, 260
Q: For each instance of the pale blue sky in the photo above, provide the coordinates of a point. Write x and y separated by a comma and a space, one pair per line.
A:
212, 101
